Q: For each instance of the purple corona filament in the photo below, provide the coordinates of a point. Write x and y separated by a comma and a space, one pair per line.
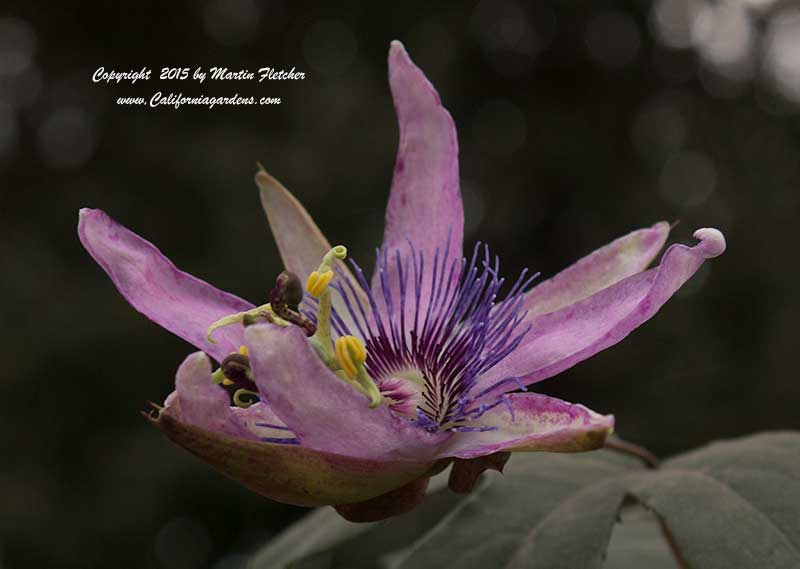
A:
280, 441
462, 332
271, 426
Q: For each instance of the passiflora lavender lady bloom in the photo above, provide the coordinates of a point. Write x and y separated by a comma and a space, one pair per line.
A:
351, 392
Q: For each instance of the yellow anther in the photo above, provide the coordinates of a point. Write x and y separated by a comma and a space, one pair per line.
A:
351, 354
227, 381
243, 351
317, 283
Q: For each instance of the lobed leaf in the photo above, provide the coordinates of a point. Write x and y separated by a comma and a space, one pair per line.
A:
732, 504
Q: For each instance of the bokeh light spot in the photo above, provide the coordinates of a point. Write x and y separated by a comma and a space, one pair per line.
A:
17, 45
782, 54
499, 127
659, 129
67, 138
613, 39
510, 38
231, 23
672, 22
182, 543
329, 47
8, 129
687, 179
723, 34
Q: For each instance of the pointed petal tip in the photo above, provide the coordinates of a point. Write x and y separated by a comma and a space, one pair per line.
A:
150, 282
300, 242
712, 242
263, 180
86, 213
398, 53
658, 234
604, 267
200, 360
425, 199
600, 321
411, 88
662, 226
274, 194
271, 192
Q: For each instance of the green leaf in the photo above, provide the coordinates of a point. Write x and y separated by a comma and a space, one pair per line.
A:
732, 504
324, 539
638, 542
315, 533
547, 510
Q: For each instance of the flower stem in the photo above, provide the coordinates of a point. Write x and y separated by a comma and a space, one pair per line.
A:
648, 458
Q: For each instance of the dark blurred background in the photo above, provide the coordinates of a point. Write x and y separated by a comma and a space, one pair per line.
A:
578, 122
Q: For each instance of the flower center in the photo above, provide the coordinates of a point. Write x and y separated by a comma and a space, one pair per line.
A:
428, 335
436, 331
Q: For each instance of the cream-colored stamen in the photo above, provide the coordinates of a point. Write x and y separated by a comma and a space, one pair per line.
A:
239, 318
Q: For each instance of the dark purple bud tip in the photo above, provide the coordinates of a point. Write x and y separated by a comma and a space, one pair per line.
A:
236, 367
288, 290
293, 289
284, 299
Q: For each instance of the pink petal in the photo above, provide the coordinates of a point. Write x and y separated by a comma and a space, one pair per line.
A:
200, 402
300, 242
254, 420
561, 339
197, 417
538, 423
323, 411
425, 201
179, 302
623, 257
